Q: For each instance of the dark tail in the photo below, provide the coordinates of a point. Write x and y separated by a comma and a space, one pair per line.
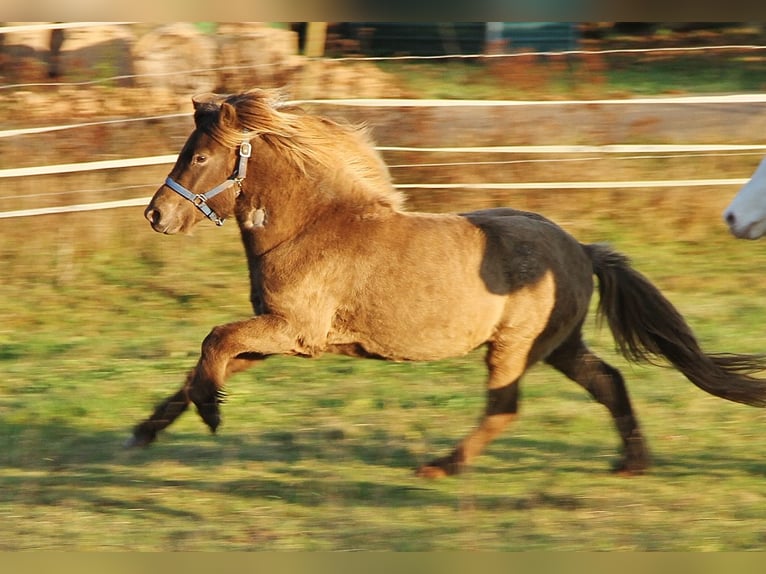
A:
647, 326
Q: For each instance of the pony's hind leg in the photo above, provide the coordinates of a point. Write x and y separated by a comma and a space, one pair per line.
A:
501, 409
606, 385
505, 369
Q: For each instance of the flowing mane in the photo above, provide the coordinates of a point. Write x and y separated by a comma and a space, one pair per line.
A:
318, 146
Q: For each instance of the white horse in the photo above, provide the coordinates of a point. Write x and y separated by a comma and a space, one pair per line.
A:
746, 214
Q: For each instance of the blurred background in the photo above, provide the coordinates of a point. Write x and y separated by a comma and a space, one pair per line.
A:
632, 133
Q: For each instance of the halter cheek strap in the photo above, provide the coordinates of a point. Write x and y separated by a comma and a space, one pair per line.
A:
200, 199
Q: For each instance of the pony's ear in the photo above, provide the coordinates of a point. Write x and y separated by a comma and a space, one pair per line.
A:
228, 116
205, 106
209, 101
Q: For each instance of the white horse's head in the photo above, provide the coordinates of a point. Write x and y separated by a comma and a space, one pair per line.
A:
746, 214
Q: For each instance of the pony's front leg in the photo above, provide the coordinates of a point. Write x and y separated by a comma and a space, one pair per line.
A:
166, 412
226, 350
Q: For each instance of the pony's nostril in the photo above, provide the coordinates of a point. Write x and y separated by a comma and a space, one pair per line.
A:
153, 216
730, 218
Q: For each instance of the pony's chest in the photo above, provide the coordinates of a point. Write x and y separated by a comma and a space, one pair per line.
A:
298, 291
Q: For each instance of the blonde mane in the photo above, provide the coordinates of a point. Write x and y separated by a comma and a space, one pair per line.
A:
318, 146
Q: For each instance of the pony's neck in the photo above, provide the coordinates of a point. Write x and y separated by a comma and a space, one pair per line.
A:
290, 186
279, 200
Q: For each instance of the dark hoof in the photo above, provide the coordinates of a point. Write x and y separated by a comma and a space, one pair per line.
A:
210, 415
134, 441
440, 468
625, 468
140, 437
428, 471
635, 459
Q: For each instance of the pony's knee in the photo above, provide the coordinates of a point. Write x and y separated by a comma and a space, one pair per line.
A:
214, 341
210, 371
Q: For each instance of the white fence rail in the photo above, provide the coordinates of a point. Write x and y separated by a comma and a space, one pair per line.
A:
732, 99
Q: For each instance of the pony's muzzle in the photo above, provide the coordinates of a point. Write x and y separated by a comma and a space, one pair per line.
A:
737, 228
154, 217
160, 222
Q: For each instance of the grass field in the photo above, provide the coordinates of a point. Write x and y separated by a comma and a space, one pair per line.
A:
101, 317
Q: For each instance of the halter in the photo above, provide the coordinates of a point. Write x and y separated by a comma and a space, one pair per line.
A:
200, 199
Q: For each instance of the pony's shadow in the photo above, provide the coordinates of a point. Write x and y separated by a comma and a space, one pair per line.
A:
79, 463
381, 449
541, 455
86, 466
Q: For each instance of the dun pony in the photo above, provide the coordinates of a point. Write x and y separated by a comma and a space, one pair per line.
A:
338, 266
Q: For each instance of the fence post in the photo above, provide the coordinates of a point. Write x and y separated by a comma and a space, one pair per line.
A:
316, 33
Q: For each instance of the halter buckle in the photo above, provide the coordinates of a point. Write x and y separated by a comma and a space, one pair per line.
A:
199, 200
245, 149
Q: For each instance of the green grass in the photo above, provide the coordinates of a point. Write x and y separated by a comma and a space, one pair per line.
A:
319, 454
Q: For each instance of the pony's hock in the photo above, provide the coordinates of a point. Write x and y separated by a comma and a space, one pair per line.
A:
333, 255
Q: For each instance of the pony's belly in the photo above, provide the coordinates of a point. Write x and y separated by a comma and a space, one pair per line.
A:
431, 350
406, 336
452, 324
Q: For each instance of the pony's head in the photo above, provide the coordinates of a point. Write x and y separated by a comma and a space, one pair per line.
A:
746, 214
208, 174
291, 150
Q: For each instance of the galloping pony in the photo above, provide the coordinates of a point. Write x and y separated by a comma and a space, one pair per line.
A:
338, 266
746, 214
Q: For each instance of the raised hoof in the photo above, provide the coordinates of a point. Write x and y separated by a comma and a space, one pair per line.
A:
210, 415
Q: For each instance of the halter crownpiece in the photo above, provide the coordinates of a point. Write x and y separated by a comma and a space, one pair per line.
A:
200, 199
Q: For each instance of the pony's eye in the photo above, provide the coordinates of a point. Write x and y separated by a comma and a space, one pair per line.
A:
199, 158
